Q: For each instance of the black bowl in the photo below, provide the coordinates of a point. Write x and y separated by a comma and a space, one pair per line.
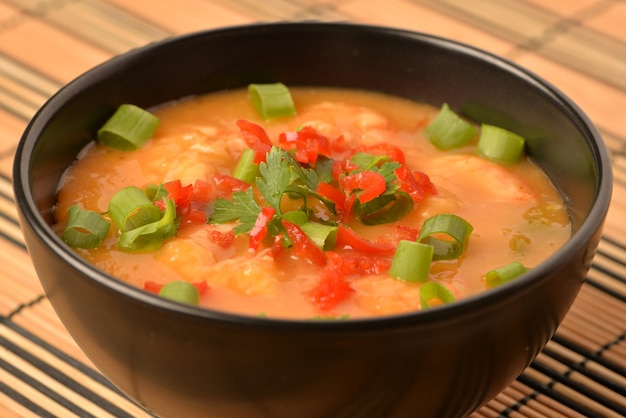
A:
185, 361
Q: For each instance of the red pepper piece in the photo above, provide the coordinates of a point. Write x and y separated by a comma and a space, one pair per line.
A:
152, 287
415, 183
331, 193
352, 264
308, 143
302, 244
201, 191
331, 290
259, 230
256, 138
227, 185
347, 237
202, 286
383, 148
371, 184
223, 239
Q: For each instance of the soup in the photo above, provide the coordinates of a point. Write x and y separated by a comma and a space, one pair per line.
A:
335, 189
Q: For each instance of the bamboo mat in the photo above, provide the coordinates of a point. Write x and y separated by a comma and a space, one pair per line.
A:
578, 45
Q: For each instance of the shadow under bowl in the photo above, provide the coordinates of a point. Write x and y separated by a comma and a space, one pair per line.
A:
185, 361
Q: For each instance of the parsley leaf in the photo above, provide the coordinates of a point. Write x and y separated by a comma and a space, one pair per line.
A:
242, 208
277, 174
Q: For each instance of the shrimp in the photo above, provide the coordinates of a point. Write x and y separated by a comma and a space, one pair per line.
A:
357, 124
255, 275
488, 177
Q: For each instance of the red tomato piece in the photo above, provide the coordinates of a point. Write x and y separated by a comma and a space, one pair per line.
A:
302, 244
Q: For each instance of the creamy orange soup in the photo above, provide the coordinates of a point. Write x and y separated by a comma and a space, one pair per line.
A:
516, 213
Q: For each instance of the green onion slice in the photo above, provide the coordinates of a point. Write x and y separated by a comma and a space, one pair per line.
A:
298, 217
505, 273
128, 129
386, 208
246, 170
150, 236
411, 262
431, 291
131, 208
181, 291
85, 228
454, 227
449, 130
500, 145
272, 100
324, 236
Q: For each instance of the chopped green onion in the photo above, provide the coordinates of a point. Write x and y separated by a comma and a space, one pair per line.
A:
411, 262
449, 130
298, 217
246, 170
128, 129
85, 228
433, 291
323, 236
272, 100
156, 192
455, 227
181, 291
500, 145
385, 208
505, 273
150, 236
131, 208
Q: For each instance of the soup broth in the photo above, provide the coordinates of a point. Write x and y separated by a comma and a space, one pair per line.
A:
515, 212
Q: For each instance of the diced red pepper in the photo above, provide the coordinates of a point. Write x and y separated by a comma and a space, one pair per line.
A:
357, 264
308, 143
339, 145
371, 184
227, 185
383, 148
152, 287
277, 246
259, 230
256, 138
201, 191
202, 286
302, 244
190, 200
415, 183
331, 193
347, 237
331, 290
223, 239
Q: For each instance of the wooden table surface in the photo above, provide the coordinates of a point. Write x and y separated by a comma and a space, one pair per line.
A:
578, 45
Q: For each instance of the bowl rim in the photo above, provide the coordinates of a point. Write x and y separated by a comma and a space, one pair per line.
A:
465, 306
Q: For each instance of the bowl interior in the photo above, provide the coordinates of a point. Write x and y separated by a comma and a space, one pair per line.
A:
412, 65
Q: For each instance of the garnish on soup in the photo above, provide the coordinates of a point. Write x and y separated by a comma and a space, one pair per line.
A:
308, 203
